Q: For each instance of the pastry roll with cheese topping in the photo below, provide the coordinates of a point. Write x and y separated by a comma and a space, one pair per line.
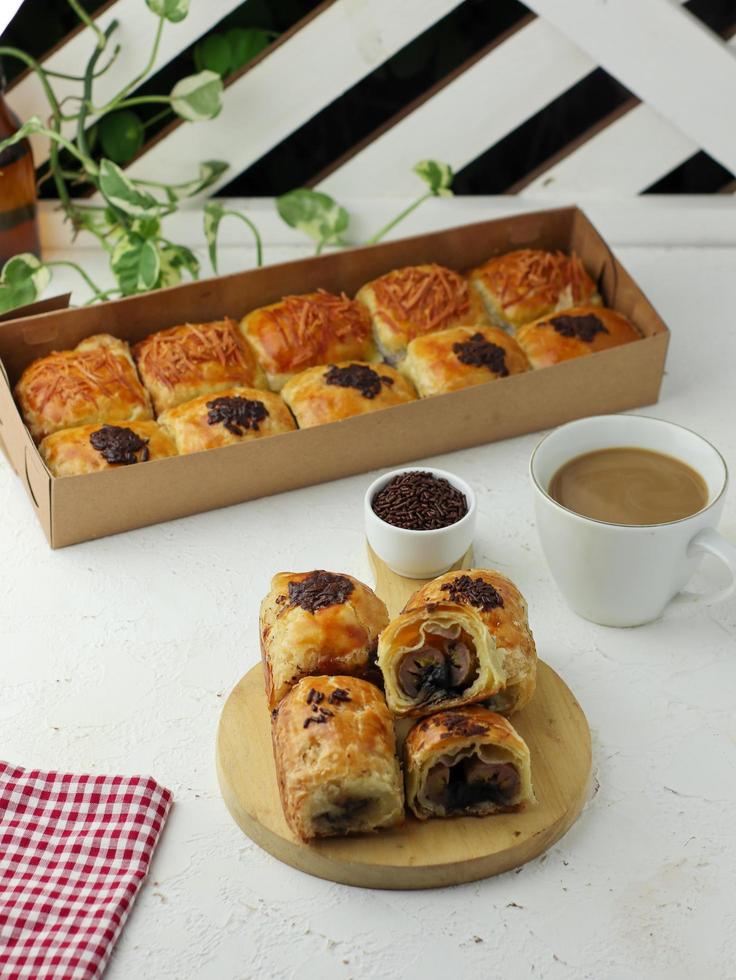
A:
88, 448
521, 286
229, 416
335, 753
461, 357
438, 655
337, 391
317, 623
503, 610
95, 382
467, 762
573, 333
303, 331
417, 300
181, 363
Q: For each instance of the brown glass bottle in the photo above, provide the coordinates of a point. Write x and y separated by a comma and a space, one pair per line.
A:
18, 222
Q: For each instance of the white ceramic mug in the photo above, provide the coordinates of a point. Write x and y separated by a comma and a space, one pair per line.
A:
617, 574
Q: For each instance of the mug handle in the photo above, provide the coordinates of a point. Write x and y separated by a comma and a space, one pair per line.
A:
714, 544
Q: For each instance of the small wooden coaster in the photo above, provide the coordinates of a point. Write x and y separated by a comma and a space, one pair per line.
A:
427, 854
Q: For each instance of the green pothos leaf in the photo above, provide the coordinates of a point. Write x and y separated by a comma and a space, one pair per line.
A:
212, 53
438, 176
245, 43
136, 263
198, 97
172, 10
213, 215
175, 260
209, 171
121, 135
316, 214
120, 192
23, 279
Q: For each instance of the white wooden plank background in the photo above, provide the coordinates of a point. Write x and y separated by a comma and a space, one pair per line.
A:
663, 54
304, 74
135, 36
478, 108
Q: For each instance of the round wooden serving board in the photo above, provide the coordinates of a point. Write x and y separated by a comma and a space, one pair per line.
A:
419, 854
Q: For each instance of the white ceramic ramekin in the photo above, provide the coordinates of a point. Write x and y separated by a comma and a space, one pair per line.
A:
420, 554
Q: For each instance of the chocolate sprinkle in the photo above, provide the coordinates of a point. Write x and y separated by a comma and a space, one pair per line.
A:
479, 352
319, 590
315, 697
583, 327
339, 694
419, 501
358, 376
319, 719
236, 414
473, 591
117, 444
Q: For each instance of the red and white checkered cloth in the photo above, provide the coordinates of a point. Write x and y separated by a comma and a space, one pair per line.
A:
74, 851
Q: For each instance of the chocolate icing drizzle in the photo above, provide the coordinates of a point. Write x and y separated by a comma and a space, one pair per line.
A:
473, 591
118, 444
319, 590
583, 327
479, 352
236, 414
358, 376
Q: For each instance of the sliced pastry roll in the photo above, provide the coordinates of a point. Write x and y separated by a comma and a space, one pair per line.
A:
338, 391
438, 655
302, 331
417, 300
461, 357
573, 333
521, 286
88, 448
229, 416
183, 362
317, 623
95, 382
503, 610
335, 753
469, 762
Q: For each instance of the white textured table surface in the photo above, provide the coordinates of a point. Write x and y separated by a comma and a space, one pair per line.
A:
117, 655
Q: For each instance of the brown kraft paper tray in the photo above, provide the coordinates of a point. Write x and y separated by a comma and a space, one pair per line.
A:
80, 508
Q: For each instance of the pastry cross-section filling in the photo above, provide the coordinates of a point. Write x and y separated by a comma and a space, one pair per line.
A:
345, 813
443, 666
469, 781
118, 444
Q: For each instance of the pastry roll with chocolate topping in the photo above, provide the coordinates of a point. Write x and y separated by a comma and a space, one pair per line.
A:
317, 623
303, 331
461, 357
503, 610
229, 416
468, 762
181, 363
94, 383
521, 286
438, 655
335, 753
89, 448
338, 391
417, 300
573, 333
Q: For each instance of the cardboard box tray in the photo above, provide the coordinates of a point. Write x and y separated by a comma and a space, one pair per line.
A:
80, 508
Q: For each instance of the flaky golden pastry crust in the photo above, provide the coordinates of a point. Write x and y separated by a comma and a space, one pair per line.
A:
503, 610
468, 669
303, 331
323, 394
441, 752
335, 754
70, 452
225, 418
183, 362
574, 332
523, 285
417, 300
95, 382
336, 633
461, 357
